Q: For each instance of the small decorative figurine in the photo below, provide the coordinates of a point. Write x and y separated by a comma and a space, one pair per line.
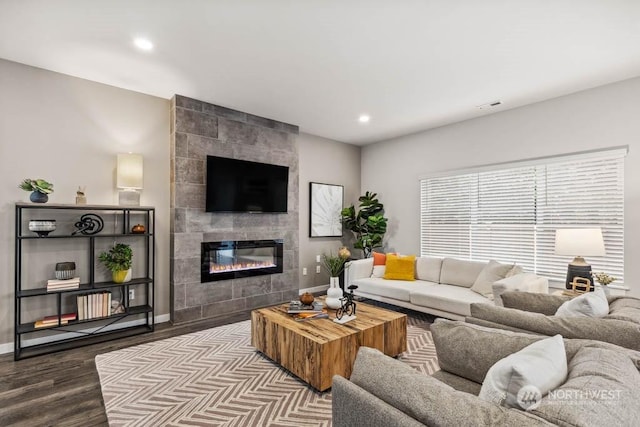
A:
89, 224
306, 298
81, 199
138, 229
347, 311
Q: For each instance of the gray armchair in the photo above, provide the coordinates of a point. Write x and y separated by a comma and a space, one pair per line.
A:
534, 313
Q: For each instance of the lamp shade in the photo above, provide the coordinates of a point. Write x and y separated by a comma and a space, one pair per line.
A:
129, 171
579, 241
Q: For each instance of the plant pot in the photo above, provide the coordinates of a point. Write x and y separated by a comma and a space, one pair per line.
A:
334, 293
38, 197
121, 276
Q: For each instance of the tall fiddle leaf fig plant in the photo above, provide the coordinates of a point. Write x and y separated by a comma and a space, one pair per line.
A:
368, 224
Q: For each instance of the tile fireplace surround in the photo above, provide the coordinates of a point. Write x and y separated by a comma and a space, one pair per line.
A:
199, 129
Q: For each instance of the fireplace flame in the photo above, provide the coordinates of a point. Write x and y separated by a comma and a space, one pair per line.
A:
223, 268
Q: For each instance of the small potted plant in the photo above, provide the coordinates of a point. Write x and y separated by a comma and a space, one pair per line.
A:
604, 279
40, 189
118, 260
334, 266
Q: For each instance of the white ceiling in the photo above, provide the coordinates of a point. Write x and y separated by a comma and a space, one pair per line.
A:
319, 64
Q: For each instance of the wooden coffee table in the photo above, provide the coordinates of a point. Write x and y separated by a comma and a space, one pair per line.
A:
315, 350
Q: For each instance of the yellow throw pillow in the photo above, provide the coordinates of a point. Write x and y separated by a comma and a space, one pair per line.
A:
400, 267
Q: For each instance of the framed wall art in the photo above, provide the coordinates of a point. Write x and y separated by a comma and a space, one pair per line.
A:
324, 211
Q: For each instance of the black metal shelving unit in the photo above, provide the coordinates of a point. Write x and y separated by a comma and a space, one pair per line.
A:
135, 320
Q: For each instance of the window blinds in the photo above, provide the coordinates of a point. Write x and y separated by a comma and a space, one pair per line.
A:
510, 212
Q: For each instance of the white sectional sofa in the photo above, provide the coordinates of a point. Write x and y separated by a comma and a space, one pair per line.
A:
442, 286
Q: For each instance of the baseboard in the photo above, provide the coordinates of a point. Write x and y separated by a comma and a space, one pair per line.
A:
8, 347
314, 289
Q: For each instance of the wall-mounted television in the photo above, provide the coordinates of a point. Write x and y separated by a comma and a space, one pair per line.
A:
241, 186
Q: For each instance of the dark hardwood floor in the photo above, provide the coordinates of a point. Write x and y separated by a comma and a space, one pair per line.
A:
62, 389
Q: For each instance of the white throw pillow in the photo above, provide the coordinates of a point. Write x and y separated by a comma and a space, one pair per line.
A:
378, 271
493, 272
589, 304
542, 365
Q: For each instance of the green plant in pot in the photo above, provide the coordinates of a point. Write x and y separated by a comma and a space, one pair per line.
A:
368, 224
40, 189
118, 260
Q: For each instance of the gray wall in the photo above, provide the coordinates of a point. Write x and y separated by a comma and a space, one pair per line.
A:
68, 131
329, 162
606, 116
202, 129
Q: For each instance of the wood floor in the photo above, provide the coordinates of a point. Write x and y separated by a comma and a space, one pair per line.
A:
62, 389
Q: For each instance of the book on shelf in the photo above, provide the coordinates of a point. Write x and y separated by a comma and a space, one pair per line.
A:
57, 285
80, 300
40, 324
296, 307
54, 320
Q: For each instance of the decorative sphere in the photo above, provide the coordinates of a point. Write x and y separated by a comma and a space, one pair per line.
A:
344, 253
306, 298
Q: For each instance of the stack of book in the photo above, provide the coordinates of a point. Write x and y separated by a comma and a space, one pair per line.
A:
59, 285
296, 307
54, 320
92, 306
304, 312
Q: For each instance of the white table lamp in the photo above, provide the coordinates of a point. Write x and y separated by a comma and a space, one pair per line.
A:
129, 179
579, 242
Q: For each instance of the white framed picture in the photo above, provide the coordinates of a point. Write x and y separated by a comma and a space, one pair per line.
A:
324, 211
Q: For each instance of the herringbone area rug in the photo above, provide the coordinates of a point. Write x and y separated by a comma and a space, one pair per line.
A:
215, 378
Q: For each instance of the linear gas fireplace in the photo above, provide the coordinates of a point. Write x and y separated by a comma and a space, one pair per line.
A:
231, 259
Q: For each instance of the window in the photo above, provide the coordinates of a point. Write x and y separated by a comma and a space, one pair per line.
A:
510, 212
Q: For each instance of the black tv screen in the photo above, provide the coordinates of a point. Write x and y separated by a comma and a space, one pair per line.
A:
241, 186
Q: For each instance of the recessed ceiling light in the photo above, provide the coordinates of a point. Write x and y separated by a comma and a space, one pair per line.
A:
364, 118
143, 44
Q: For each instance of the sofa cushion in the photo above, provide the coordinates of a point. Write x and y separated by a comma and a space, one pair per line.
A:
603, 388
452, 299
625, 308
428, 268
491, 273
379, 258
426, 399
469, 350
400, 267
396, 289
542, 364
589, 304
460, 272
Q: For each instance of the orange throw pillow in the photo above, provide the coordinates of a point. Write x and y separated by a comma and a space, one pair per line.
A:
379, 259
400, 267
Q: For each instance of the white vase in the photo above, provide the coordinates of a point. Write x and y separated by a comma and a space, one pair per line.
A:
334, 293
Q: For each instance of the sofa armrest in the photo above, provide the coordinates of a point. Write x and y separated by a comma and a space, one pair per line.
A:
526, 282
358, 269
351, 406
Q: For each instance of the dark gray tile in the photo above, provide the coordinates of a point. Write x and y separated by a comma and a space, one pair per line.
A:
187, 245
189, 103
190, 196
261, 121
284, 281
290, 295
199, 220
209, 292
181, 147
264, 300
189, 171
187, 315
250, 286
186, 270
288, 128
223, 307
227, 113
178, 220
231, 131
200, 147
189, 121
179, 297
275, 140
